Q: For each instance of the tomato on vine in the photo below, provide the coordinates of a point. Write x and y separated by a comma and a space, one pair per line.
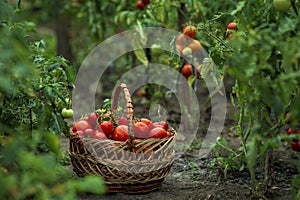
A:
186, 70
140, 5
190, 31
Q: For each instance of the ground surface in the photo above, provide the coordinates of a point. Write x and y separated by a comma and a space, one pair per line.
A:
194, 178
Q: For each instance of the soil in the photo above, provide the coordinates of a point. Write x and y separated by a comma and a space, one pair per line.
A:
192, 177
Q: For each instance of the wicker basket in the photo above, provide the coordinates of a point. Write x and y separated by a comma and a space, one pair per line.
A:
131, 167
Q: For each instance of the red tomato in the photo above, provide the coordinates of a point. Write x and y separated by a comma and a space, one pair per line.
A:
187, 70
89, 131
74, 128
120, 133
195, 45
158, 132
169, 134
287, 116
141, 130
140, 5
81, 125
290, 131
164, 124
190, 31
79, 133
122, 121
180, 48
99, 135
183, 41
148, 122
92, 119
295, 145
232, 26
106, 127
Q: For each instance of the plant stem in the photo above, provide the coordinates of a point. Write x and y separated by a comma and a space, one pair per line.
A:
240, 125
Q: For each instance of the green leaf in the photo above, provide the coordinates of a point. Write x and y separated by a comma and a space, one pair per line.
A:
139, 52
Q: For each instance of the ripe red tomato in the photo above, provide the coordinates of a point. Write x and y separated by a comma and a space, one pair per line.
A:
190, 31
146, 2
169, 134
81, 125
183, 41
180, 49
186, 70
230, 36
79, 133
92, 119
89, 131
290, 131
106, 127
287, 116
158, 132
295, 145
99, 135
74, 129
141, 130
195, 45
122, 121
232, 26
148, 122
164, 124
140, 5
120, 133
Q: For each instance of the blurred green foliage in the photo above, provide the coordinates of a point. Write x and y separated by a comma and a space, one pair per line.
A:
34, 87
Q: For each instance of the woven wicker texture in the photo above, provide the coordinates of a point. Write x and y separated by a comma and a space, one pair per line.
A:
133, 166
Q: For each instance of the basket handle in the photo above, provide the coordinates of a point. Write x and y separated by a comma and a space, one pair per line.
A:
129, 107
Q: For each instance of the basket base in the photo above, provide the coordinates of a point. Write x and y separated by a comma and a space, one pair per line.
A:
139, 188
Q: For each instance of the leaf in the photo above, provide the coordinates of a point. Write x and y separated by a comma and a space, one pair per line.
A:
139, 52
239, 7
53, 67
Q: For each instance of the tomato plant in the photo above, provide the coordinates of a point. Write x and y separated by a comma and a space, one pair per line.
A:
35, 87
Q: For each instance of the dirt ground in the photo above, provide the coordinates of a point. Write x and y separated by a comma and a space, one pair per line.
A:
194, 178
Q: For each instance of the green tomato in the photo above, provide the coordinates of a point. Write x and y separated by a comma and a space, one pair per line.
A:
187, 51
282, 5
67, 113
156, 50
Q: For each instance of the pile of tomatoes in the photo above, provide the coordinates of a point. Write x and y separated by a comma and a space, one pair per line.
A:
104, 126
188, 46
295, 143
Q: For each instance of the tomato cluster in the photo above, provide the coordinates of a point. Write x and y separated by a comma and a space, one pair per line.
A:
295, 143
231, 29
141, 4
188, 46
106, 126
